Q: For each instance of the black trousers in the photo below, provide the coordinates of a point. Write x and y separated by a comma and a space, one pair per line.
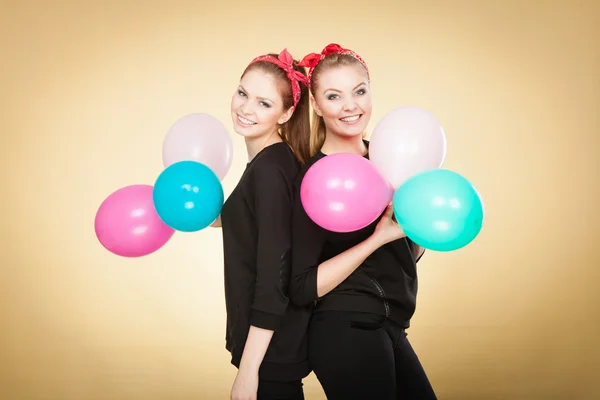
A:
274, 390
365, 356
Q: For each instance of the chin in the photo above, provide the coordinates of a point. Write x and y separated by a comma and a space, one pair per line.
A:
238, 131
352, 131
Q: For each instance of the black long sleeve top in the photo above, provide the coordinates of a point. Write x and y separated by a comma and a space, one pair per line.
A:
385, 283
256, 224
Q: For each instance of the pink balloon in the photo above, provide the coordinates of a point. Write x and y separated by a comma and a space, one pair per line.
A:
406, 141
201, 138
127, 224
343, 192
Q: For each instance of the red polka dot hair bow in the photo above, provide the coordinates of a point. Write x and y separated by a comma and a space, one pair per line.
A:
313, 59
286, 62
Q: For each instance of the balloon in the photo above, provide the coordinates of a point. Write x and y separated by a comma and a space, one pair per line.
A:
127, 225
188, 196
201, 138
406, 141
439, 210
343, 192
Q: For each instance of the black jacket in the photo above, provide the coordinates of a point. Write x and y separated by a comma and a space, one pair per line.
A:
256, 223
385, 283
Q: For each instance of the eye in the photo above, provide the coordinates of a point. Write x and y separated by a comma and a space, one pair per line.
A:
264, 104
241, 93
361, 91
332, 96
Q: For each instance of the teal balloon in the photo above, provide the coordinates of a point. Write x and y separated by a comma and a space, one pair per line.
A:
439, 210
188, 196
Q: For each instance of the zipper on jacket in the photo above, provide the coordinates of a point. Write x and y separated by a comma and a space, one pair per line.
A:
382, 295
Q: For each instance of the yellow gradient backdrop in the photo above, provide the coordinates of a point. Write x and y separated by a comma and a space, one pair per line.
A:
88, 90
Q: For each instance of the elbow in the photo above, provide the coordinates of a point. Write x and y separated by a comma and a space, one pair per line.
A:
298, 297
303, 288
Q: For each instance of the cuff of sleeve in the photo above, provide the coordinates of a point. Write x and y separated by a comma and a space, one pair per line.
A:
311, 287
265, 320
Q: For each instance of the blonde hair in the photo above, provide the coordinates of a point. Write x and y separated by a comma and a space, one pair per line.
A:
318, 128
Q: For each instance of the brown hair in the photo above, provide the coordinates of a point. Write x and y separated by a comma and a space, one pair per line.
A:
317, 136
296, 131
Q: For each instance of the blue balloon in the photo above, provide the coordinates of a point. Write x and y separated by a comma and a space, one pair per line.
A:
439, 210
188, 196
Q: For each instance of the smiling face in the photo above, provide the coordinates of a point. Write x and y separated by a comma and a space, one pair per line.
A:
257, 107
342, 97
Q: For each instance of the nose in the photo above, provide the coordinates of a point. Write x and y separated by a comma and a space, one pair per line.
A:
245, 108
350, 105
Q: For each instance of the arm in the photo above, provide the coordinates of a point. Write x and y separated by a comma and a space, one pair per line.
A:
416, 250
308, 240
419, 252
335, 270
311, 279
256, 348
246, 382
272, 210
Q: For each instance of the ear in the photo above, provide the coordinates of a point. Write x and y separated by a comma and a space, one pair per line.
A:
285, 117
315, 106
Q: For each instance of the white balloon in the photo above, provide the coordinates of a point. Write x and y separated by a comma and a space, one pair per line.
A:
406, 141
201, 138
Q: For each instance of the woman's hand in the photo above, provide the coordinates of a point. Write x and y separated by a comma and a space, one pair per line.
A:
217, 223
388, 229
245, 386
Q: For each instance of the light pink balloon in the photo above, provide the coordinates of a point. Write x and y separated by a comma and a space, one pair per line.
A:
344, 192
406, 141
127, 224
201, 138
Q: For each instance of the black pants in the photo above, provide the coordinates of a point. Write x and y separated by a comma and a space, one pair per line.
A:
273, 390
364, 356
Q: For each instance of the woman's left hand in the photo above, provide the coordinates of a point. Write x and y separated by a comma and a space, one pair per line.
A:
245, 386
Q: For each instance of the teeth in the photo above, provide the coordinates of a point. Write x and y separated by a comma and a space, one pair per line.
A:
245, 121
351, 119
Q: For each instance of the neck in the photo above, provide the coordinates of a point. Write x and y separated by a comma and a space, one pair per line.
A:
255, 145
343, 144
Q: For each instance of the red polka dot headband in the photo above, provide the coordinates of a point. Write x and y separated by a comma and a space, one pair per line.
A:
285, 61
313, 59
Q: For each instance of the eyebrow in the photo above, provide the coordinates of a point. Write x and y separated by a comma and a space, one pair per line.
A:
339, 91
258, 97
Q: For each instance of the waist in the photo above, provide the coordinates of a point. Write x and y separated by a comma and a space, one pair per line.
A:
363, 303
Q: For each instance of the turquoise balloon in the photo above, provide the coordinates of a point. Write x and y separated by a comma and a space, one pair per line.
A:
439, 210
188, 196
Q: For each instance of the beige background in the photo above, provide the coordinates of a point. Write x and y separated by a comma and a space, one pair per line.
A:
88, 90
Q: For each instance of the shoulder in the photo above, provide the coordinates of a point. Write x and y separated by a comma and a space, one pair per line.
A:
311, 161
277, 160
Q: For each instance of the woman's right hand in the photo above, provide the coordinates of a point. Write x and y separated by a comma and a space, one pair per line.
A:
388, 229
217, 223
